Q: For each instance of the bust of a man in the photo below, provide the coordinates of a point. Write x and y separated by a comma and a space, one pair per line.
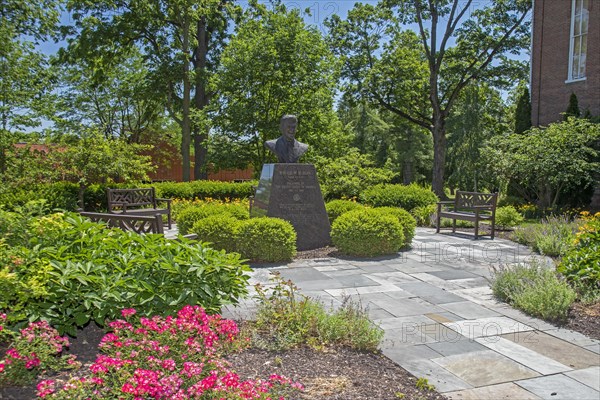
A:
286, 147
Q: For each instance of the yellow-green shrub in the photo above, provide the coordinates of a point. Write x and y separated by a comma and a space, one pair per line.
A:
266, 239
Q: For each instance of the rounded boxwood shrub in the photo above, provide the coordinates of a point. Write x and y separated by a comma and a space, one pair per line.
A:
335, 208
508, 217
219, 230
367, 232
266, 239
406, 220
403, 196
187, 217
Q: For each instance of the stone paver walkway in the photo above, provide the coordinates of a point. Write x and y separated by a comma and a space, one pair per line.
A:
441, 321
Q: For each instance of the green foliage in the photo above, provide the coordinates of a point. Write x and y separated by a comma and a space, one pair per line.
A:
552, 236
345, 177
367, 233
405, 218
275, 64
187, 217
547, 163
508, 217
423, 384
522, 117
534, 289
266, 239
219, 230
335, 208
403, 196
581, 263
572, 108
204, 190
424, 215
88, 272
477, 116
287, 319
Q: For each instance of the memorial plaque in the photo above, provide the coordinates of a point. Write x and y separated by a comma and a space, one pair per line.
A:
292, 192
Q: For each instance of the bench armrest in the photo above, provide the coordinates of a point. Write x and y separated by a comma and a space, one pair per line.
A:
168, 201
446, 202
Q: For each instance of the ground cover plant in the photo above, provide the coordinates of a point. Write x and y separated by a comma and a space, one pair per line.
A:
173, 357
407, 197
553, 236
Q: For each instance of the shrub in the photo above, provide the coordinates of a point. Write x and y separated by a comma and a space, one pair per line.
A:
552, 237
407, 197
219, 230
406, 220
508, 217
35, 349
84, 271
205, 190
335, 208
187, 217
178, 357
345, 177
287, 319
425, 215
266, 239
535, 290
581, 264
367, 232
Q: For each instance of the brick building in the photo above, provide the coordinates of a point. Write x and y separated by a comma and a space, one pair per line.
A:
565, 58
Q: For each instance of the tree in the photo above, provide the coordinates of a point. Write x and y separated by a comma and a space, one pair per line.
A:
123, 105
96, 159
477, 117
25, 77
419, 76
572, 108
547, 162
180, 40
523, 111
275, 65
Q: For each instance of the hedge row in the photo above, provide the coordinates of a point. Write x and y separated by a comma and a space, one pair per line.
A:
63, 195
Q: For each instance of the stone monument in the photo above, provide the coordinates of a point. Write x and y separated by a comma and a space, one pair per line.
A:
290, 190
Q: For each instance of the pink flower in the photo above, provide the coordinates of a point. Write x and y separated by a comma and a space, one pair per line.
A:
45, 387
32, 362
2, 367
127, 312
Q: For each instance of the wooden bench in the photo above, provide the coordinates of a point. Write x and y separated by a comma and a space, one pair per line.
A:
142, 202
469, 206
127, 222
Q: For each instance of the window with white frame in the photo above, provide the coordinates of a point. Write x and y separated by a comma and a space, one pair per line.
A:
578, 48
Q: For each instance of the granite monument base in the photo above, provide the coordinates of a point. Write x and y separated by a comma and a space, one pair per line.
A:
292, 192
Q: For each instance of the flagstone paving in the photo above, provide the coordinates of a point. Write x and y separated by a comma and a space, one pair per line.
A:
442, 322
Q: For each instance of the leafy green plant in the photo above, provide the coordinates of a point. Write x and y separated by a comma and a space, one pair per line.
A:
407, 197
205, 190
508, 217
424, 215
408, 222
423, 384
35, 349
536, 290
85, 271
335, 208
553, 236
286, 318
581, 263
266, 239
219, 230
367, 232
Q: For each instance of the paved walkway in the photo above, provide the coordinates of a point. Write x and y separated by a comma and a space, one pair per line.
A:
441, 321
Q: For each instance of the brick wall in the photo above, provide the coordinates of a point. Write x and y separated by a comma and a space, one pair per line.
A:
550, 57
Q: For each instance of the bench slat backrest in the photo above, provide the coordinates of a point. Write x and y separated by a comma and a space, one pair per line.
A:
133, 223
132, 197
472, 199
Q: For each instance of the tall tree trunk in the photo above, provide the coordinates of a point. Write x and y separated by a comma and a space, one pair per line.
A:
201, 101
186, 126
439, 155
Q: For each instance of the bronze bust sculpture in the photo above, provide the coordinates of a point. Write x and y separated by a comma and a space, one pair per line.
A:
286, 147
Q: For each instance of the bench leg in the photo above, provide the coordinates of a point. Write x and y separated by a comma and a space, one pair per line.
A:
476, 228
437, 224
493, 228
169, 219
454, 226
